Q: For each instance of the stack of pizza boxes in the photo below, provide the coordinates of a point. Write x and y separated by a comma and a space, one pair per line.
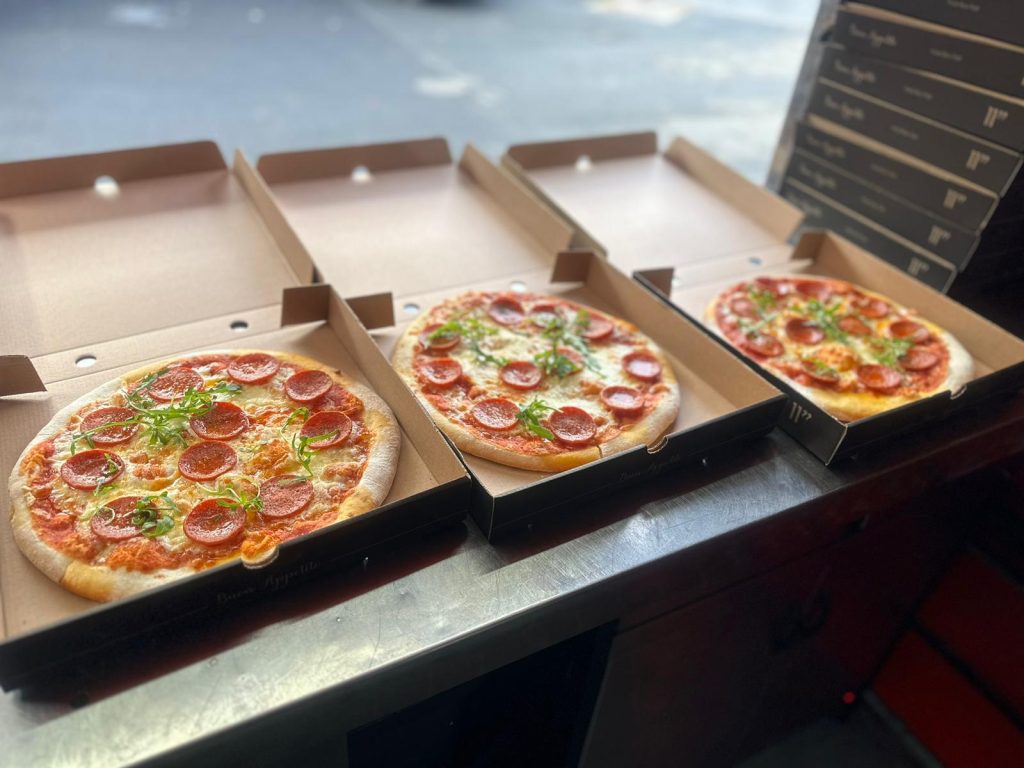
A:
912, 141
689, 228
404, 225
118, 260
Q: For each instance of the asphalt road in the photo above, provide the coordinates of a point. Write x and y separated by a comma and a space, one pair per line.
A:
266, 75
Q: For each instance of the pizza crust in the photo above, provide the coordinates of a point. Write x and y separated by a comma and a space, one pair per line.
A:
851, 407
101, 583
642, 432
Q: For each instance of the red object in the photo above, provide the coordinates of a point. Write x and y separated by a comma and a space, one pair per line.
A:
495, 413
506, 311
521, 374
941, 708
113, 521
222, 422
979, 615
573, 426
441, 371
333, 423
111, 435
285, 495
87, 470
205, 461
307, 386
210, 523
644, 365
174, 384
253, 368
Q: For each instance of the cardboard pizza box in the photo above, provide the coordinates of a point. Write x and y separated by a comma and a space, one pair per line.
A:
170, 252
645, 209
403, 217
998, 355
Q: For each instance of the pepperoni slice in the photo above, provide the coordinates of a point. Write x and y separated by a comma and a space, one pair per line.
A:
854, 325
111, 435
505, 310
642, 365
574, 355
814, 290
908, 329
174, 384
496, 413
744, 307
210, 523
307, 386
87, 470
285, 495
880, 378
113, 521
543, 314
572, 425
819, 373
598, 327
334, 423
253, 368
205, 461
442, 342
804, 331
873, 308
777, 288
626, 401
763, 344
918, 359
222, 422
521, 374
441, 371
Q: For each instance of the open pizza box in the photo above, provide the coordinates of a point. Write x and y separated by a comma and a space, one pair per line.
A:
645, 209
998, 355
115, 260
404, 218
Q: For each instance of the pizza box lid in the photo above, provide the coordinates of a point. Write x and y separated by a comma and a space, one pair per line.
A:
105, 246
403, 217
643, 208
998, 355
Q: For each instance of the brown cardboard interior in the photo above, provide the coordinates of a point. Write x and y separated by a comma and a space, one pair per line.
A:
646, 209
152, 246
827, 254
31, 601
477, 227
436, 220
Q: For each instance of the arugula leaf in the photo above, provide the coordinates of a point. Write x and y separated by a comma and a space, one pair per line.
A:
554, 363
889, 351
299, 413
110, 469
154, 515
820, 367
304, 453
558, 332
239, 500
825, 317
530, 417
762, 298
473, 331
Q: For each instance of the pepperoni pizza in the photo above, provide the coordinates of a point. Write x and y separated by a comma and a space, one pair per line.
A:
854, 352
537, 382
180, 466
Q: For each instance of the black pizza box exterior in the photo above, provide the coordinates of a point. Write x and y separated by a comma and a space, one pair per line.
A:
986, 164
821, 212
403, 217
1001, 19
998, 355
978, 111
177, 225
902, 175
644, 208
922, 45
940, 237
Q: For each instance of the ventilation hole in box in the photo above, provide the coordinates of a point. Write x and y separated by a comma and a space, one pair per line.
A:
239, 325
361, 174
655, 447
583, 163
757, 261
518, 285
677, 282
106, 186
410, 308
85, 361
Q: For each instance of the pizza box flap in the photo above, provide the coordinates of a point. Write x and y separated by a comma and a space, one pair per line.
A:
402, 218
102, 246
644, 209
